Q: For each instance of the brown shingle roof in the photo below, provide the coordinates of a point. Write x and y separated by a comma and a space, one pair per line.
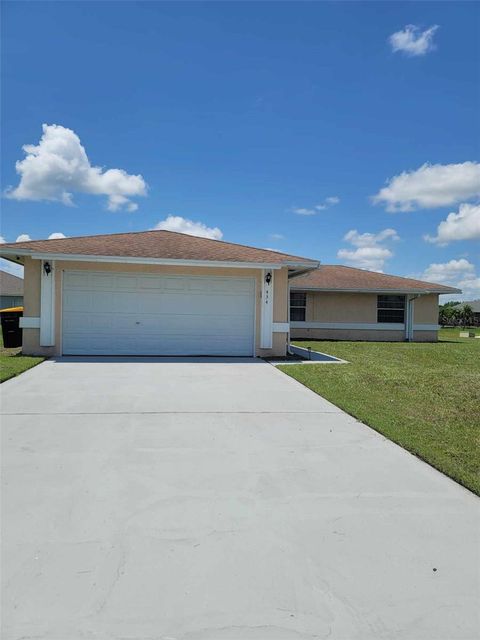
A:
156, 244
333, 277
10, 285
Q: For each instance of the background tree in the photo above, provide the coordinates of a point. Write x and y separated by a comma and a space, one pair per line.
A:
445, 315
467, 315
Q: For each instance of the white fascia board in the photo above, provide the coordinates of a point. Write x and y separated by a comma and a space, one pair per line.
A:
161, 261
310, 266
380, 291
8, 253
70, 257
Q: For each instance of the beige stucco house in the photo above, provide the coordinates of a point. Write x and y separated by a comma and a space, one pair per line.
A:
152, 293
335, 302
166, 293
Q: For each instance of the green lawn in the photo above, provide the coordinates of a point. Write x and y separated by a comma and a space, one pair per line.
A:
425, 397
12, 363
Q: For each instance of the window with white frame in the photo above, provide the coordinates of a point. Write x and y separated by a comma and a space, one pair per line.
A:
298, 306
391, 309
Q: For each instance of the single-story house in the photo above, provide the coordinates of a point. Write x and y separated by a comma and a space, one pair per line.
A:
167, 293
334, 302
475, 307
153, 293
11, 290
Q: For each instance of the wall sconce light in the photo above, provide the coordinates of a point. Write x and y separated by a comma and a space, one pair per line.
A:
268, 278
47, 268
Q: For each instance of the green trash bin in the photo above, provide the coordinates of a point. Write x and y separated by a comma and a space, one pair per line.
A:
12, 333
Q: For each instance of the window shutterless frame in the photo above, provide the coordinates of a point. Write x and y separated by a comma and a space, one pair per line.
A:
391, 308
298, 306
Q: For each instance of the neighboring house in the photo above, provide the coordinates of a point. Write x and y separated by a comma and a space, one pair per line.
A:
335, 302
11, 290
154, 292
475, 306
166, 293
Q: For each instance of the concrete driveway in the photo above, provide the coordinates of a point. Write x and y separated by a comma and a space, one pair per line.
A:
220, 500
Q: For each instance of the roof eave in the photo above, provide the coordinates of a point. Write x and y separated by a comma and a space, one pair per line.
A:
377, 290
9, 252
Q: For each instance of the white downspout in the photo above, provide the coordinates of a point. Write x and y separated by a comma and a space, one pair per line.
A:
410, 311
289, 352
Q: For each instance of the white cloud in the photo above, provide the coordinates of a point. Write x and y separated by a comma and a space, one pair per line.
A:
56, 236
11, 267
325, 204
464, 225
328, 202
183, 225
369, 253
58, 167
436, 185
456, 273
24, 237
413, 42
276, 236
117, 202
370, 258
370, 239
304, 212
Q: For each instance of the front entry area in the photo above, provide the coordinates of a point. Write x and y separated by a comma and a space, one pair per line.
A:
138, 314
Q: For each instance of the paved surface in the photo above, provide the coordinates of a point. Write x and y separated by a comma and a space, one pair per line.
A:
220, 500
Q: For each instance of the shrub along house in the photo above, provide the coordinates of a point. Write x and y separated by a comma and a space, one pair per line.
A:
335, 302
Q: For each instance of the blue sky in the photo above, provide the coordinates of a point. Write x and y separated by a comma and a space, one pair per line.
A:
273, 123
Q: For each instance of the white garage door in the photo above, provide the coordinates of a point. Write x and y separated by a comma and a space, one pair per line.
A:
124, 314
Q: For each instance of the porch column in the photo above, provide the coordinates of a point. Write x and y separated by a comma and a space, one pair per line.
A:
47, 303
266, 314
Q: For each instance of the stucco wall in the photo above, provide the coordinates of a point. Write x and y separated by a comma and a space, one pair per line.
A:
361, 308
31, 308
32, 297
341, 307
426, 309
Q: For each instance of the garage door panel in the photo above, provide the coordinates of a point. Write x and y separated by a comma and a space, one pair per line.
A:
77, 301
83, 322
206, 304
155, 315
167, 323
86, 281
175, 284
126, 282
74, 280
150, 345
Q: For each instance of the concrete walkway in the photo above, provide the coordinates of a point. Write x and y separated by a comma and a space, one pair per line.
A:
219, 499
